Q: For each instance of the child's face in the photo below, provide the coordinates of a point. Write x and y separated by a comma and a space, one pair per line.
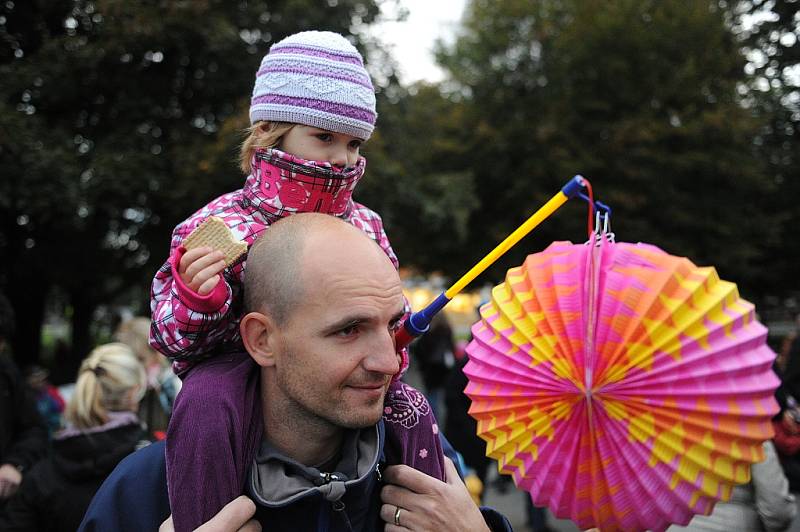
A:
314, 144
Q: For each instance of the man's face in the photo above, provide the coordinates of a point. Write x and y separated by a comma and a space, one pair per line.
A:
336, 354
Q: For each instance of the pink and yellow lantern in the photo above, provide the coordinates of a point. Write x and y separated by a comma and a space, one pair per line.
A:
623, 387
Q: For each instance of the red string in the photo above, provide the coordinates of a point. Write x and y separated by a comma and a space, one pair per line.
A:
590, 225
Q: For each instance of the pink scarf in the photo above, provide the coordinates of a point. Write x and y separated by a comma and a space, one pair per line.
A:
289, 184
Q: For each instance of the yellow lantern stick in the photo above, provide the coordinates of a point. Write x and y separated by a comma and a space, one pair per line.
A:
418, 323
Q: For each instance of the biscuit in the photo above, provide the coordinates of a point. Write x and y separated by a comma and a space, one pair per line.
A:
214, 233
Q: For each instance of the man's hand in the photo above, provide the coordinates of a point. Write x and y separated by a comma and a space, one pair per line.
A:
234, 517
199, 269
10, 479
426, 503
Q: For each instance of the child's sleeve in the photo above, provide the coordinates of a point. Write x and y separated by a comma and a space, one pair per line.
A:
371, 223
186, 324
383, 241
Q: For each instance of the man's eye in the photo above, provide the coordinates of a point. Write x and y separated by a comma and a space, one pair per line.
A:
350, 330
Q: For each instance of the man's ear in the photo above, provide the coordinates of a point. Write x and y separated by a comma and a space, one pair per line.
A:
259, 337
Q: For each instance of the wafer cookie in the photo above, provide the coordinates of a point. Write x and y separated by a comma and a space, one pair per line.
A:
214, 233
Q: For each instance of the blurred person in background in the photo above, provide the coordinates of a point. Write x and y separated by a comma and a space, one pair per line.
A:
783, 352
460, 427
787, 422
434, 353
162, 384
787, 440
788, 364
764, 503
49, 402
23, 436
102, 428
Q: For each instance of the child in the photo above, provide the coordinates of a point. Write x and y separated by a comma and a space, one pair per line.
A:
313, 106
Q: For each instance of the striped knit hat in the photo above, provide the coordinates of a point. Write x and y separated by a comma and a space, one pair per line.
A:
315, 78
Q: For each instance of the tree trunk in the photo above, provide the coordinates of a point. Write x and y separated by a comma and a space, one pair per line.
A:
83, 306
27, 297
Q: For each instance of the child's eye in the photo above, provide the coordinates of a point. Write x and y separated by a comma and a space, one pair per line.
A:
355, 144
325, 137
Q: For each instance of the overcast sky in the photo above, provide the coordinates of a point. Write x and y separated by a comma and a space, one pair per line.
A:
411, 42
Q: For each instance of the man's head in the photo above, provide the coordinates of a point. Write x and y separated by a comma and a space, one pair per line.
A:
323, 301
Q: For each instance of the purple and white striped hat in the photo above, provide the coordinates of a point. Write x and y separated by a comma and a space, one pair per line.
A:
315, 78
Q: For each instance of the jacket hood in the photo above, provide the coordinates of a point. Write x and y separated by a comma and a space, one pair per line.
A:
276, 480
280, 184
95, 454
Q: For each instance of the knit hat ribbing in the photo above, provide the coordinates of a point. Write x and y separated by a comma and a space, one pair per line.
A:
315, 78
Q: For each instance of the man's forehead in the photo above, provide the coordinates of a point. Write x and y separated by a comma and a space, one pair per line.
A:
336, 290
341, 287
343, 264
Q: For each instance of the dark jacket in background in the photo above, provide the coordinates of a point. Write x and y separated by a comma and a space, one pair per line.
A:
460, 427
434, 353
23, 436
56, 492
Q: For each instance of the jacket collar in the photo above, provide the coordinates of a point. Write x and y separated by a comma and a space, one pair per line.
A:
276, 480
115, 419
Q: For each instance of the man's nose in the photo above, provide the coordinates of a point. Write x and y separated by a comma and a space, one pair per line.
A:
383, 357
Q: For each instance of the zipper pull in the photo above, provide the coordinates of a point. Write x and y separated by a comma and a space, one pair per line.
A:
328, 477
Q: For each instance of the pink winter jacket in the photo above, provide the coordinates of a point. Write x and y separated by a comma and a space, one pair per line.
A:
188, 327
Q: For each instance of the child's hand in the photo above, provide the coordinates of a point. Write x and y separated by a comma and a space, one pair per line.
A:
200, 267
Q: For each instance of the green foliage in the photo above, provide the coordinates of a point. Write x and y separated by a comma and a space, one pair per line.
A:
418, 180
773, 45
639, 97
118, 119
111, 125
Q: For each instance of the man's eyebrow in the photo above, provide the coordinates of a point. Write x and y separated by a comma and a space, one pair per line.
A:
350, 321
347, 321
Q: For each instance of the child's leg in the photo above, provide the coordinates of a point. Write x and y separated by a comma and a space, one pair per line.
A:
412, 434
213, 436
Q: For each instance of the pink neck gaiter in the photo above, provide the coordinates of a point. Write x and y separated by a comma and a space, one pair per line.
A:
286, 184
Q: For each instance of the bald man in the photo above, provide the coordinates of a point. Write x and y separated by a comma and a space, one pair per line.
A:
323, 302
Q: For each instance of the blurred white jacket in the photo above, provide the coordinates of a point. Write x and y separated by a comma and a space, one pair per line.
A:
763, 504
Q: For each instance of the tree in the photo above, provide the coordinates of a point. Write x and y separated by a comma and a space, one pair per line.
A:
639, 97
418, 180
771, 35
112, 123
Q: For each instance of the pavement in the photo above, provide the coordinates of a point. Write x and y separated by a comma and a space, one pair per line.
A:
513, 504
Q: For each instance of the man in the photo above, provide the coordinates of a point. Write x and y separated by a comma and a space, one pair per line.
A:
323, 303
